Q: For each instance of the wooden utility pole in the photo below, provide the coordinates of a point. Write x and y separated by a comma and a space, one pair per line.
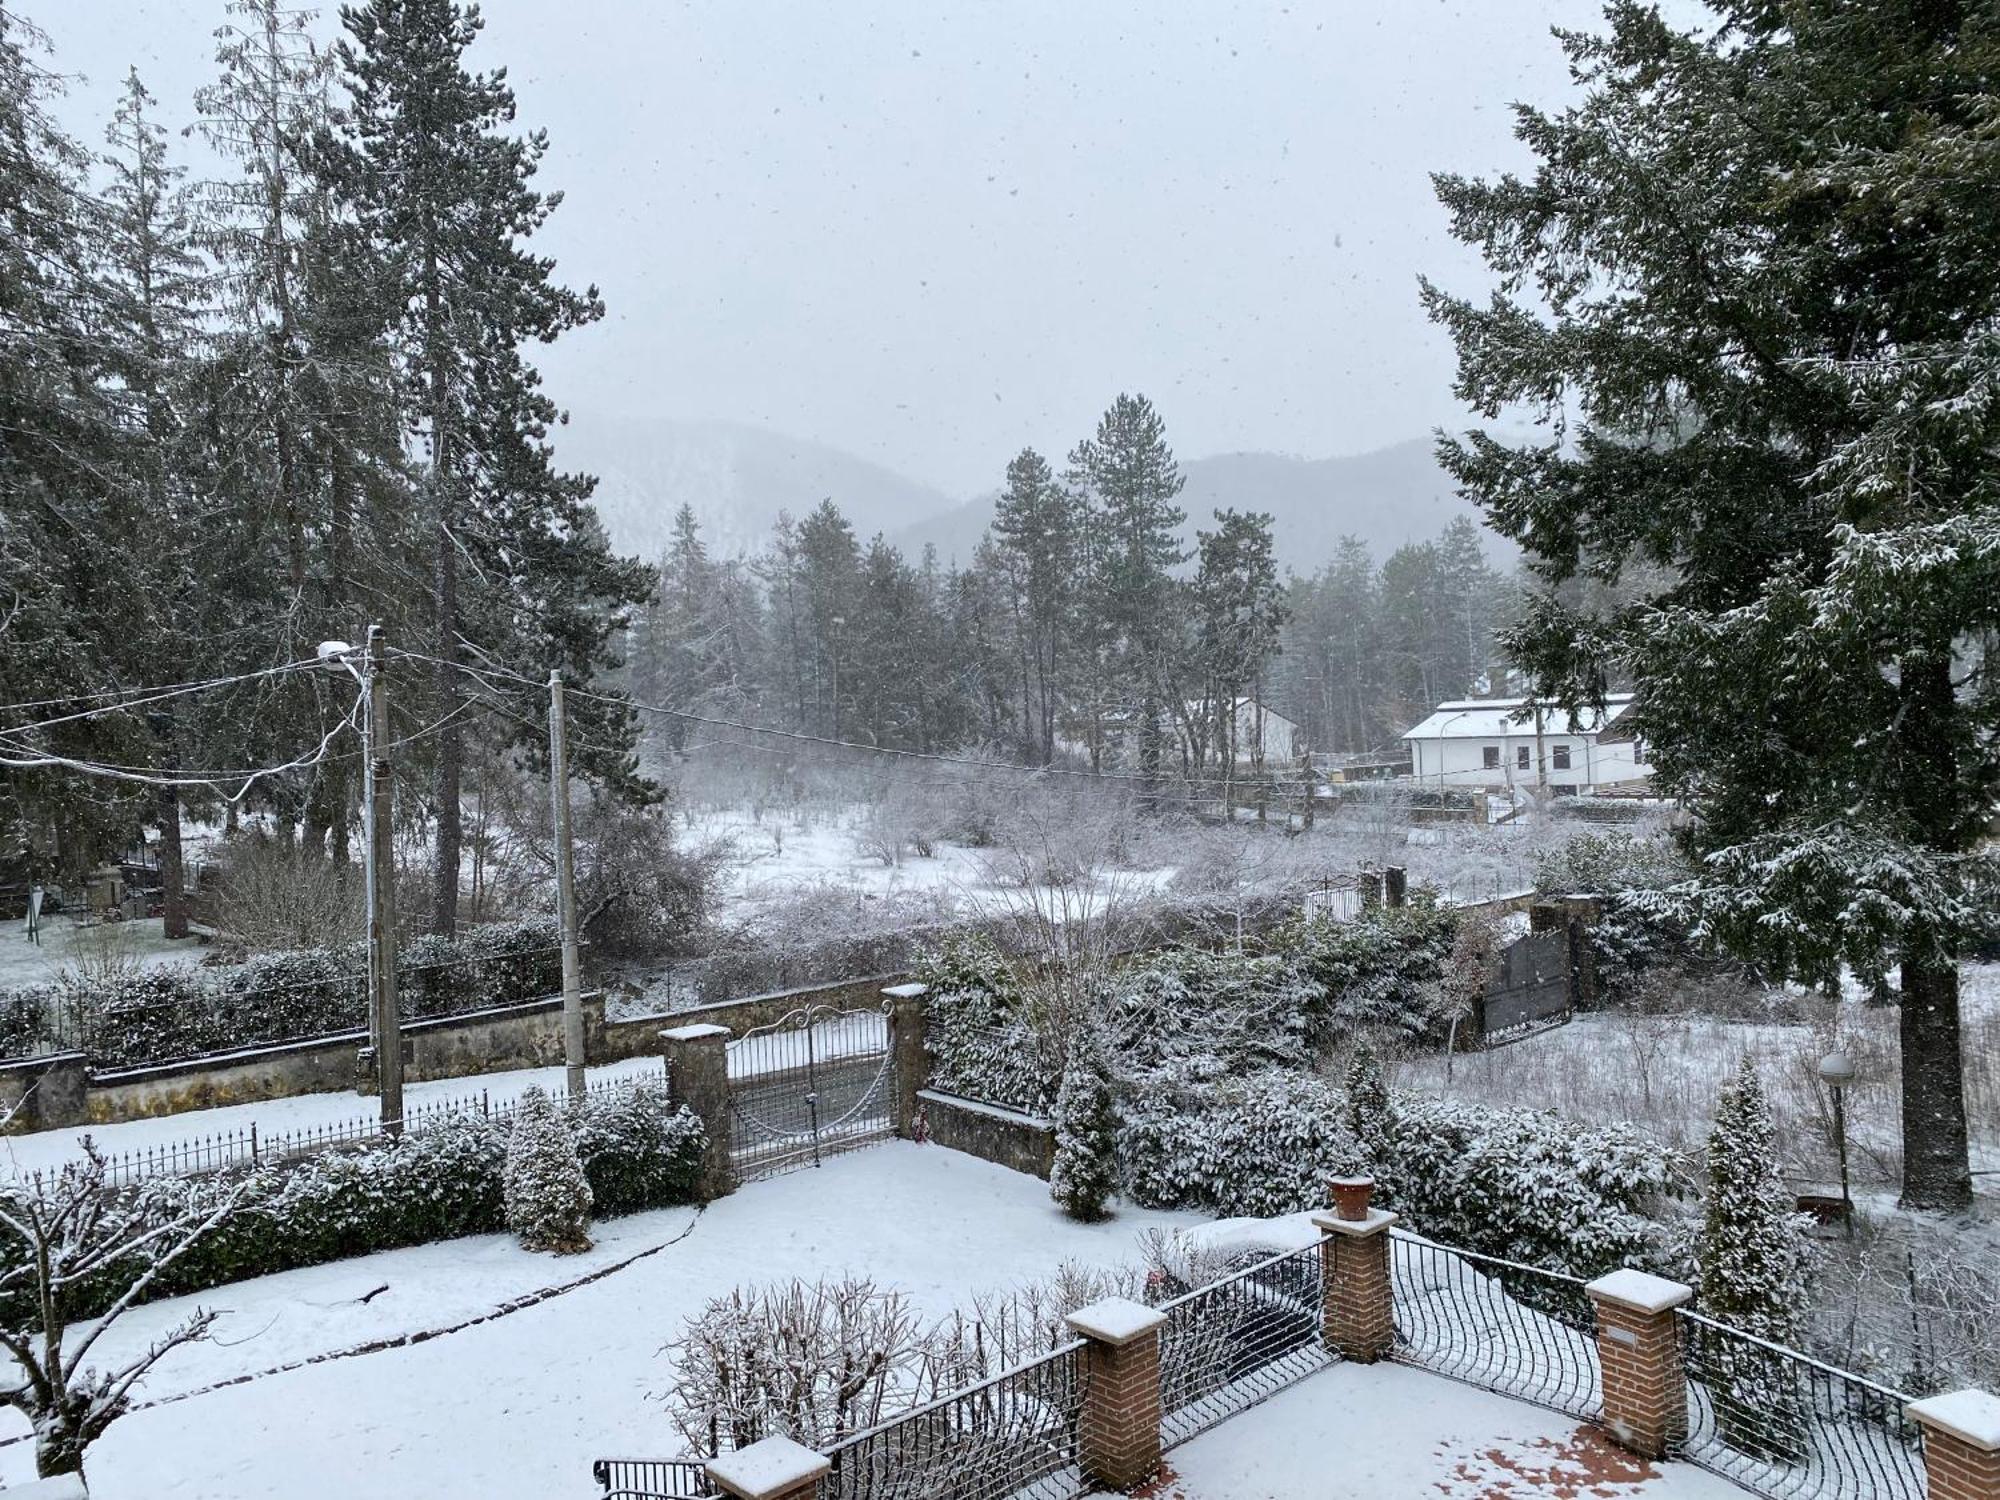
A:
385, 1019
572, 980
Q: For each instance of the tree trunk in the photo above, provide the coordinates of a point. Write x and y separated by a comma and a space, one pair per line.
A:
173, 888
1937, 1170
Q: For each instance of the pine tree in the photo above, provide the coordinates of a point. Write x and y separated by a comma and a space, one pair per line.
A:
1756, 1271
1747, 287
1036, 523
1238, 610
1085, 1172
443, 194
548, 1200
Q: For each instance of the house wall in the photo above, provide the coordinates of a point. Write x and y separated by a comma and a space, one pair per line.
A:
1461, 762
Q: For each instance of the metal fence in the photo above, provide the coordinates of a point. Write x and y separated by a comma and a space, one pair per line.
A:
1783, 1425
1229, 1345
653, 1478
1015, 1435
1511, 1328
816, 1083
229, 1150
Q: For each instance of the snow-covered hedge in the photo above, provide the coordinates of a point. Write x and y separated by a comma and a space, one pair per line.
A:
444, 1180
1524, 1184
1379, 971
175, 1011
978, 1032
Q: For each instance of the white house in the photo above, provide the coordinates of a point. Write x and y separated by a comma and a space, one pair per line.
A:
1506, 743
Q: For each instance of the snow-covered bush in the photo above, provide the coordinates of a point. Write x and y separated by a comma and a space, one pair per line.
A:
1381, 970
1084, 1175
1257, 1145
440, 1181
548, 1198
979, 1027
811, 1361
1199, 1014
183, 1010
1629, 935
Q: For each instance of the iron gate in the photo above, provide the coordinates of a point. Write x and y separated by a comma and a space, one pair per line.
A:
815, 1083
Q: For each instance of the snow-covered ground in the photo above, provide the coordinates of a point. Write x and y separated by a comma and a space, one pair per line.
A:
516, 1408
67, 944
1356, 1432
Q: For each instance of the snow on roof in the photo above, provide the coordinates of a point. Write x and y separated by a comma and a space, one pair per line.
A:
1495, 718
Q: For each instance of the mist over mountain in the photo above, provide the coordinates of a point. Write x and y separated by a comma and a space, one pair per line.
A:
738, 477
1386, 497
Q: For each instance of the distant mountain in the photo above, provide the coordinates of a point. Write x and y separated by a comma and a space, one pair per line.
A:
1388, 497
737, 477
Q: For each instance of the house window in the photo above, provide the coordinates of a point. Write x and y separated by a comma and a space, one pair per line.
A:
1522, 759
1492, 754
1559, 758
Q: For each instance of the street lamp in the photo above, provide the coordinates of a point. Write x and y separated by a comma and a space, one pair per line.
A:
1837, 1068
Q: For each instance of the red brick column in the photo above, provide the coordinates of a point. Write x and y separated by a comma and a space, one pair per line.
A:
1357, 1304
1119, 1436
1639, 1358
775, 1468
1961, 1444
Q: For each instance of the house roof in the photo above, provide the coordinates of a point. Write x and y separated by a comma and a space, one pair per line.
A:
1497, 718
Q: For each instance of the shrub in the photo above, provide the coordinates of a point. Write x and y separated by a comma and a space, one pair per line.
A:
1261, 1145
1381, 970
1084, 1175
548, 1198
1201, 1014
438, 1182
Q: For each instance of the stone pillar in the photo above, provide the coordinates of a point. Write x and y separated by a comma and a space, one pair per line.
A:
1639, 1355
1395, 886
698, 1076
45, 1093
906, 1041
1357, 1300
774, 1468
1118, 1437
1961, 1444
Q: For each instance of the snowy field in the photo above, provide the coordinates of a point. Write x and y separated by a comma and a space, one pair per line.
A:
1358, 1432
517, 1407
67, 945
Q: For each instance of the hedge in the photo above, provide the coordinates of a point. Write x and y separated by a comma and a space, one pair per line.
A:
438, 1182
162, 1014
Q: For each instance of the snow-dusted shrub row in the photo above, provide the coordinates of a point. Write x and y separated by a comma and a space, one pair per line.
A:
639, 1151
1522, 1184
161, 1014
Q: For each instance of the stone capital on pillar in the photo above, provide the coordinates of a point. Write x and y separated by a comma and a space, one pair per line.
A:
1639, 1357
1961, 1444
1357, 1293
698, 1076
1119, 1367
774, 1468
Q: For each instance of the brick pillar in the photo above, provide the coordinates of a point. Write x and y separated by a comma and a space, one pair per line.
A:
1639, 1356
774, 1468
698, 1076
1118, 1438
1961, 1444
1357, 1302
906, 1041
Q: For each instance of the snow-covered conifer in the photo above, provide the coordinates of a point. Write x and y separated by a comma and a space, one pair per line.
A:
1085, 1171
548, 1198
1756, 1271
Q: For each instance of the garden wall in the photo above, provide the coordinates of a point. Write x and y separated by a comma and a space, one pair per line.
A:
526, 1035
991, 1132
640, 1036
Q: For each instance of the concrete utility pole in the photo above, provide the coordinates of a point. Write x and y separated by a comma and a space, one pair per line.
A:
572, 980
385, 1021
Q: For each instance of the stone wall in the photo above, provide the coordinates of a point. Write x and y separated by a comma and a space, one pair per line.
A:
1006, 1137
528, 1035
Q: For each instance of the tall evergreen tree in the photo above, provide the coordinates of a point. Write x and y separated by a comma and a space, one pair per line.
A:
1238, 609
1749, 280
444, 194
1131, 479
1036, 523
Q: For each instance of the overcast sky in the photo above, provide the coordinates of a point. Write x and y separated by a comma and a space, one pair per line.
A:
932, 233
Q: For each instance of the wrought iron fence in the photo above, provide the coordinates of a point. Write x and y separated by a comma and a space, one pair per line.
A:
808, 1086
228, 1150
652, 1478
1229, 1345
1507, 1327
1015, 1435
1781, 1424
